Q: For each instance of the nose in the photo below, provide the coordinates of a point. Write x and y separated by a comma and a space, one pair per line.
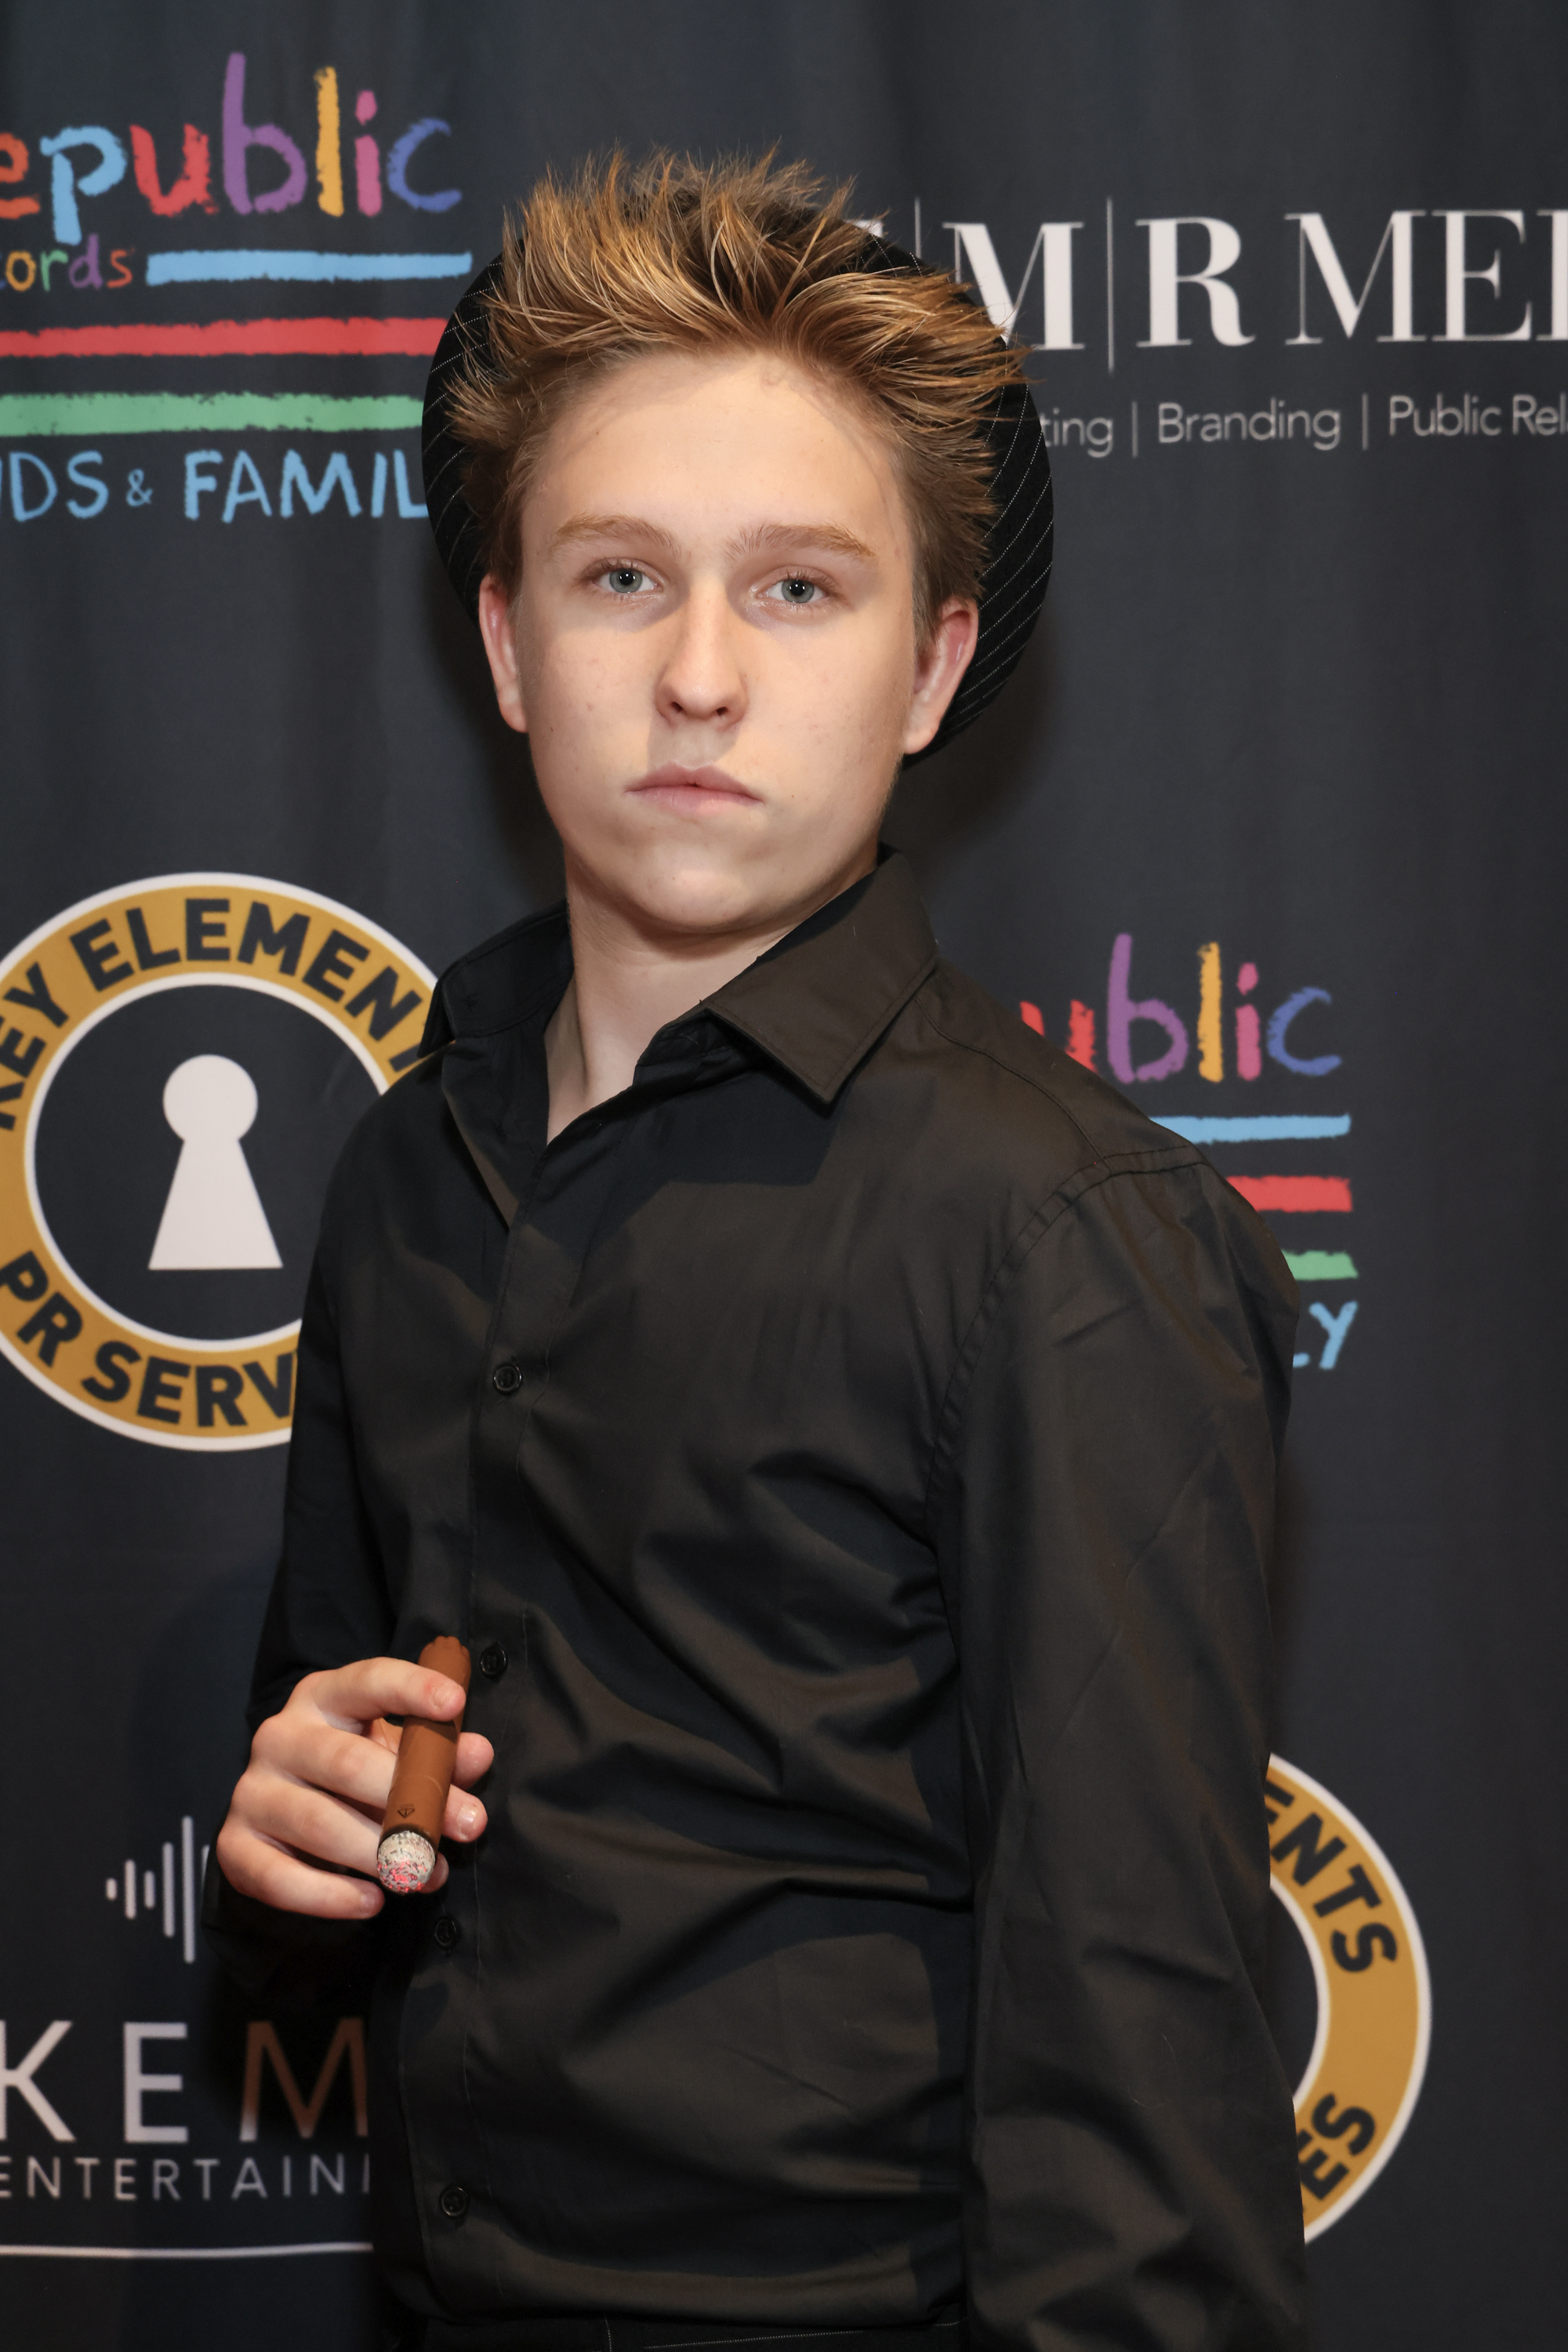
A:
703, 680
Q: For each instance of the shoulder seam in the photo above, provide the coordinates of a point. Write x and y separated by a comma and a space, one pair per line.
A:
1176, 1154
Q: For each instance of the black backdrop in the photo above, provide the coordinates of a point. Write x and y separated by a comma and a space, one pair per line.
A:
1290, 740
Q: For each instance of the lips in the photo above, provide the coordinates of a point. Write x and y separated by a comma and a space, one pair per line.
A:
690, 790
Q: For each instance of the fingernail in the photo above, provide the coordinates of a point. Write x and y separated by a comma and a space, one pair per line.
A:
468, 1819
368, 1899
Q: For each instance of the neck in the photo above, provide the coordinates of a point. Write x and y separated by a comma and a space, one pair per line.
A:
630, 978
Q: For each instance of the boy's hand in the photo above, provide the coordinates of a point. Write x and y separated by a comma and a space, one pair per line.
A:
317, 1785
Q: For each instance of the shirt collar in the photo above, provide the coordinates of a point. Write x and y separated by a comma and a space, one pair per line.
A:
815, 1003
818, 1003
522, 970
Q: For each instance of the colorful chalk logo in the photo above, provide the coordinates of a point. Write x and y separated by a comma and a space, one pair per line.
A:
1285, 1040
96, 208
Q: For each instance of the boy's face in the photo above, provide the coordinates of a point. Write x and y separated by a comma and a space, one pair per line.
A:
713, 646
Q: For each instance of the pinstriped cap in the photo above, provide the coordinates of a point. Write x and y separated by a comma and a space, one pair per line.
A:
1018, 537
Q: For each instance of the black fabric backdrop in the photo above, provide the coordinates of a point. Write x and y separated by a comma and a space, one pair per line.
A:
1296, 702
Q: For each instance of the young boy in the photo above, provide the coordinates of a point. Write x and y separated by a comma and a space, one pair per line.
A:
842, 1429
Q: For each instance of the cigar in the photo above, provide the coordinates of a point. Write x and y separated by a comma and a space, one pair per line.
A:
416, 1807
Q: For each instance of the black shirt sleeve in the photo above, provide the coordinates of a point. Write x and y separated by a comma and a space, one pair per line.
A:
329, 1606
1104, 1501
329, 1602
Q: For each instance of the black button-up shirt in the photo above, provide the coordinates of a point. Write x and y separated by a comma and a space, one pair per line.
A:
849, 1457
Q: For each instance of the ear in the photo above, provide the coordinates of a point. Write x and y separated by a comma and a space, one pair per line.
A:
497, 627
939, 667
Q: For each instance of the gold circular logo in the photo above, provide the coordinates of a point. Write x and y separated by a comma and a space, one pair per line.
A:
1375, 1998
163, 1342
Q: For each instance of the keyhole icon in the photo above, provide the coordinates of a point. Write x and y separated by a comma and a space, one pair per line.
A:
213, 1217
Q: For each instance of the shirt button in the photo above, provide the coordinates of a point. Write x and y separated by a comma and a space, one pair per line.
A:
447, 1933
507, 1378
454, 2201
493, 1661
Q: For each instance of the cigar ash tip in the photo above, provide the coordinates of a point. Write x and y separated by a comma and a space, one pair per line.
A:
404, 1861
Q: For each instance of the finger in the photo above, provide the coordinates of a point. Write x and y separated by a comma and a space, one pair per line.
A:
474, 1757
465, 1818
316, 1825
356, 1695
304, 1748
253, 1866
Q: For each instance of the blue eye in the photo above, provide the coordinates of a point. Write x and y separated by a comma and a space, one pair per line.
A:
626, 580
798, 592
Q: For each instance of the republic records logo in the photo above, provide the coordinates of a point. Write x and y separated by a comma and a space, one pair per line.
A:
181, 1060
1373, 2002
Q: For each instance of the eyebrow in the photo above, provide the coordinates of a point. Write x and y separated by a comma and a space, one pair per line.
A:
759, 539
828, 536
595, 526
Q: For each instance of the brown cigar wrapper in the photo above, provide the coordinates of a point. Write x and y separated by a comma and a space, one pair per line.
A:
422, 1778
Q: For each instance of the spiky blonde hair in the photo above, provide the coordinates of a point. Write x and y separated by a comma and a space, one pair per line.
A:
738, 256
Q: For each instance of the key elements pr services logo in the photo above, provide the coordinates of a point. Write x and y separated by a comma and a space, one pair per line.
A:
1371, 2004
181, 1060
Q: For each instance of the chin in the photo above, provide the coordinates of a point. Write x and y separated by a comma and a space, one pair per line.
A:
699, 897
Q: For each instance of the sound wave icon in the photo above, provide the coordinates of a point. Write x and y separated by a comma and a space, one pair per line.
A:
150, 1891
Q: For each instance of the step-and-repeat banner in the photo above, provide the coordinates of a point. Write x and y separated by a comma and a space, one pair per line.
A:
1264, 830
